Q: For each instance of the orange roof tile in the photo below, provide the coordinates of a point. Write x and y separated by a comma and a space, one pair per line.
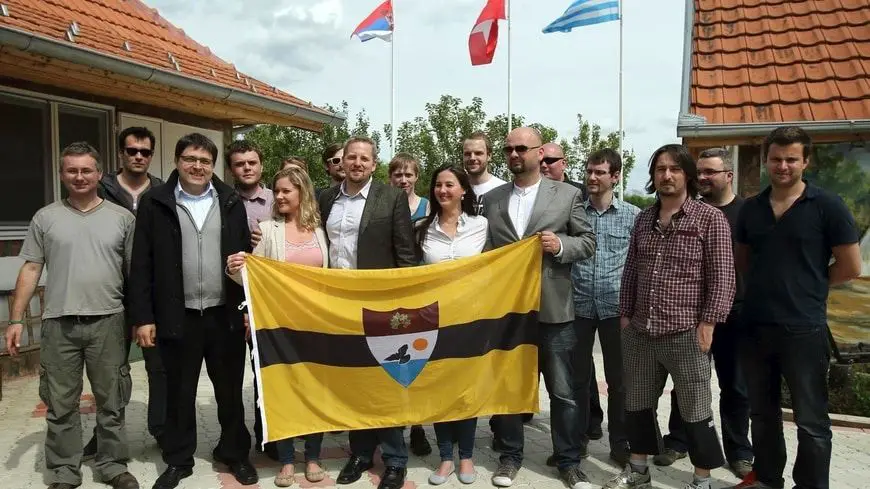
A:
105, 25
780, 60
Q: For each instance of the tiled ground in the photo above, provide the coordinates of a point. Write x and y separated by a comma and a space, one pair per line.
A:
22, 428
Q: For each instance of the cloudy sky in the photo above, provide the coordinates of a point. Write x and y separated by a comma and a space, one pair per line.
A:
303, 46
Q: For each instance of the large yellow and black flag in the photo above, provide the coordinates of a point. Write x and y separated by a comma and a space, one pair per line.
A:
356, 349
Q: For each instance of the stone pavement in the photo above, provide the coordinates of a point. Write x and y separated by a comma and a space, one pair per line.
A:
22, 432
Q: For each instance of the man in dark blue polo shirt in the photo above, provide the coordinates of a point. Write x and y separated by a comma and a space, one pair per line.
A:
786, 237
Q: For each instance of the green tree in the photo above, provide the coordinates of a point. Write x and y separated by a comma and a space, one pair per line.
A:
588, 140
279, 142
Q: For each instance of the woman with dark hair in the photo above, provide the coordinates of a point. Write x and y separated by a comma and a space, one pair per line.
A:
452, 230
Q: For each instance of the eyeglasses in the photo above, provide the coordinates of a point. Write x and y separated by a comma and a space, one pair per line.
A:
146, 153
521, 149
552, 159
334, 161
710, 173
192, 160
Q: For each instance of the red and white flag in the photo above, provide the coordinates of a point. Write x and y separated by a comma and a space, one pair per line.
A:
484, 34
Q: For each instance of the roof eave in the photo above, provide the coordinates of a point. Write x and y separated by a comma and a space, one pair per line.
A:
693, 126
55, 48
688, 30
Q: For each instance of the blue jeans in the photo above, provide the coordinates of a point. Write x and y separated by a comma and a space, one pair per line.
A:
394, 452
801, 356
733, 397
461, 432
287, 452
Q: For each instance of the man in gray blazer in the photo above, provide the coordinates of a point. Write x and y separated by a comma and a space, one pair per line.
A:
368, 226
553, 211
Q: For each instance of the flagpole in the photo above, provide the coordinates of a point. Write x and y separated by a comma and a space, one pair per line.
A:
393, 89
621, 133
509, 18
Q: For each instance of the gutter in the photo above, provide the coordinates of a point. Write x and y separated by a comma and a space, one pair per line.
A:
55, 48
692, 127
688, 31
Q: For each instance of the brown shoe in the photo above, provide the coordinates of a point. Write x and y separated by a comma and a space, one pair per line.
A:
124, 481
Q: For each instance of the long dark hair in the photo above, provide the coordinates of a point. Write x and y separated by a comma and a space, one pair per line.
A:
682, 157
468, 204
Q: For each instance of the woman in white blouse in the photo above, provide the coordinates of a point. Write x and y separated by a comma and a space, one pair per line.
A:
452, 230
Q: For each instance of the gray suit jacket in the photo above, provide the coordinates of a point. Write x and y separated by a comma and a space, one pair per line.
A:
558, 208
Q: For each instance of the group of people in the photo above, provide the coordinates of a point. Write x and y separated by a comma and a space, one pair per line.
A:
744, 281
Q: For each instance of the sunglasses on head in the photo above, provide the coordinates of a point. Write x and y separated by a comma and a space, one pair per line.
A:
552, 159
334, 161
146, 153
519, 149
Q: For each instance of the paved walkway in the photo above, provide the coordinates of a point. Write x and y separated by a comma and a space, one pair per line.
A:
22, 432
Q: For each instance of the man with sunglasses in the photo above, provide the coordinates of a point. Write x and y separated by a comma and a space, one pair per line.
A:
553, 166
331, 157
123, 188
715, 179
553, 212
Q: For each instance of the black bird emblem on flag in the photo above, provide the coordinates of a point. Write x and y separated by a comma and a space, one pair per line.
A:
401, 355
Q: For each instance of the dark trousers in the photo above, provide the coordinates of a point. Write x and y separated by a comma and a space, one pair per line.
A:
392, 441
287, 452
566, 376
459, 432
610, 335
156, 391
733, 397
801, 356
208, 336
596, 414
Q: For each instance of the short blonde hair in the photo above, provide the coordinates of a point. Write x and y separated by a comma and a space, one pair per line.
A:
309, 215
402, 160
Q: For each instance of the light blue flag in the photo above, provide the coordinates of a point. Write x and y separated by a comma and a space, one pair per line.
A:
585, 12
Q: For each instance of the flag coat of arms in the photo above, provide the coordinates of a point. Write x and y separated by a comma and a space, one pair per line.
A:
358, 349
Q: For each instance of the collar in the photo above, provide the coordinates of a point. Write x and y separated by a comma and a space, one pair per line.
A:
526, 190
614, 203
689, 206
364, 192
460, 224
259, 194
810, 191
209, 192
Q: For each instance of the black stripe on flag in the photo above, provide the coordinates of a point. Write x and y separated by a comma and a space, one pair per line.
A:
474, 339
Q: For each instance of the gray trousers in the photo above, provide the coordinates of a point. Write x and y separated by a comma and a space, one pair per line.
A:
68, 345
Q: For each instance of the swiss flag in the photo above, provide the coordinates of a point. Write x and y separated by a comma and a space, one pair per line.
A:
484, 34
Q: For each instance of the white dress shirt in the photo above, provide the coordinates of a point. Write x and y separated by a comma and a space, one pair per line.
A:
469, 240
520, 205
342, 226
197, 205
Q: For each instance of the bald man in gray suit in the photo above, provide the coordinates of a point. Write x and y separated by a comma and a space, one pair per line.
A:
529, 206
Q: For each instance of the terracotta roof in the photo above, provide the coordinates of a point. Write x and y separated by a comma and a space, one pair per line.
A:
780, 60
114, 26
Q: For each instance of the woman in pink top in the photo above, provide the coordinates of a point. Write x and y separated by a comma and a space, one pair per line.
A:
293, 234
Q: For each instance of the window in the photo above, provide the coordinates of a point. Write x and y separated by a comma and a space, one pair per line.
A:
34, 129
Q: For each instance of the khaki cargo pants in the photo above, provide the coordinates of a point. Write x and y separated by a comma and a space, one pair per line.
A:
68, 345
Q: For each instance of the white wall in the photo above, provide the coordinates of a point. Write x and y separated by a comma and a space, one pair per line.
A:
167, 134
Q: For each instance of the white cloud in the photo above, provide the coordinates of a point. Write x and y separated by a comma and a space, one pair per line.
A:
304, 47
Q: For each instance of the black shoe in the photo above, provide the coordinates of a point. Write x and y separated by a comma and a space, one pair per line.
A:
574, 477
419, 444
124, 481
668, 457
620, 454
353, 470
90, 450
394, 478
61, 485
170, 478
242, 470
595, 433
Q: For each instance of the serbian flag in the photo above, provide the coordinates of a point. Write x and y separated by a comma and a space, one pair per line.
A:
358, 349
484, 34
379, 24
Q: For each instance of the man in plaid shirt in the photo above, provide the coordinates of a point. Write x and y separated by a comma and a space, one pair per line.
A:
678, 282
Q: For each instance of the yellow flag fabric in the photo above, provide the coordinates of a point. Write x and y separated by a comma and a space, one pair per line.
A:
357, 349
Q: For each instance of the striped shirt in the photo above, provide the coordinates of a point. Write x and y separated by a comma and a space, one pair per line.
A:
597, 279
679, 276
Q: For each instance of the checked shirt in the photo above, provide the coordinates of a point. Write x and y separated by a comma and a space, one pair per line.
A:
679, 276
